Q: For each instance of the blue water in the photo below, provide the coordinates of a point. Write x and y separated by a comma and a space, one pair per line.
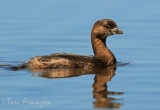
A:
30, 28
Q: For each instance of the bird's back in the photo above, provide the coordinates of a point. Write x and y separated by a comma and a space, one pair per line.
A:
60, 60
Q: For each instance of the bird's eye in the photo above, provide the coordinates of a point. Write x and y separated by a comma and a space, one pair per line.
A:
108, 26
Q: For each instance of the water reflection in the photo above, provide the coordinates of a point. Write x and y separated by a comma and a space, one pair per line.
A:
104, 98
100, 92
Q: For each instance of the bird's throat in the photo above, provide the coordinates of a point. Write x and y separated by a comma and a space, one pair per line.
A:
100, 49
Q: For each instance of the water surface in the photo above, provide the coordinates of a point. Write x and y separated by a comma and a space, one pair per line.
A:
29, 28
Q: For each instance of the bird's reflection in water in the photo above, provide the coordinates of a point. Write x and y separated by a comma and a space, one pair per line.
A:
100, 92
103, 97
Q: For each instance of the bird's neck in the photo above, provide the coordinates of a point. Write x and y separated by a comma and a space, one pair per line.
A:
100, 49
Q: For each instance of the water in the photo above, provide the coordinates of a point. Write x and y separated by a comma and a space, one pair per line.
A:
29, 28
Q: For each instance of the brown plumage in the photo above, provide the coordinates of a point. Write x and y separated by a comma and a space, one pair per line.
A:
103, 57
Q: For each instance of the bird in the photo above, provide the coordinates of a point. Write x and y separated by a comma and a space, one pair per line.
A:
102, 57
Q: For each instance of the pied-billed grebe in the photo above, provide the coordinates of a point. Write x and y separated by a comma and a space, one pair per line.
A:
103, 57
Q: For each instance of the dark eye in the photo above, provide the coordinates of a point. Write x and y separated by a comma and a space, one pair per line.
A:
108, 26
